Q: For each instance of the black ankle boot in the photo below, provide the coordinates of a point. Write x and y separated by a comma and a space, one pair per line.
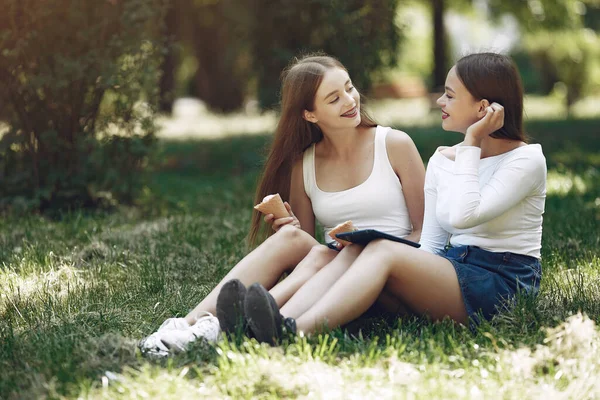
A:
289, 326
230, 307
262, 314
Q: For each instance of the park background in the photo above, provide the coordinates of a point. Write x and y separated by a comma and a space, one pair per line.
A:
132, 133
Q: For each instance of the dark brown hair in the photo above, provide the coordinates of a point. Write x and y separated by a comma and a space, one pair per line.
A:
495, 77
300, 81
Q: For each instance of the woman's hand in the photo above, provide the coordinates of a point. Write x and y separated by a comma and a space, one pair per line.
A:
276, 224
339, 246
414, 236
490, 123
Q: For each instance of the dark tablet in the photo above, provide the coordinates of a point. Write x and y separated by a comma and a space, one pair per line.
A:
364, 236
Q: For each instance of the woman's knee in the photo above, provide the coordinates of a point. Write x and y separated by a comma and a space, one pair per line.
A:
322, 253
383, 256
318, 256
352, 250
293, 236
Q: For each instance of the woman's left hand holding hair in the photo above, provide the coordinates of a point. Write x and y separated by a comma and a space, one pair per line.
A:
490, 123
276, 224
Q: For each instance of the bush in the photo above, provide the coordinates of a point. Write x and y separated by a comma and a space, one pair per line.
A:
73, 75
569, 56
362, 34
535, 79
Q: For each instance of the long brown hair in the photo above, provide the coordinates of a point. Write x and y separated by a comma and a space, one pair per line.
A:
495, 77
300, 81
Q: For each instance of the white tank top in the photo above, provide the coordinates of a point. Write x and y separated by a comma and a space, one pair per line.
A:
377, 203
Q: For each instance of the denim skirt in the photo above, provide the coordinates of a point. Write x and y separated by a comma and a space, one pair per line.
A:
489, 281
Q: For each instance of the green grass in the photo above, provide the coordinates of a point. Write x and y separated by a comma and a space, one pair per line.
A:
76, 294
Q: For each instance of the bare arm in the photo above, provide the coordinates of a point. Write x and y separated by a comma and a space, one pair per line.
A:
300, 201
408, 166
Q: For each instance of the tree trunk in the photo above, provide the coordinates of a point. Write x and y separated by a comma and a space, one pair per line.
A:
440, 67
169, 64
218, 80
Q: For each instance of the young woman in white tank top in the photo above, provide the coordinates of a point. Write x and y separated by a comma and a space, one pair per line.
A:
351, 169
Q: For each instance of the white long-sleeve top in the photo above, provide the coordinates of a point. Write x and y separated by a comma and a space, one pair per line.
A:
495, 203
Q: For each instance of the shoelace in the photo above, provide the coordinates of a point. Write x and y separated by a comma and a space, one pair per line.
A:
201, 329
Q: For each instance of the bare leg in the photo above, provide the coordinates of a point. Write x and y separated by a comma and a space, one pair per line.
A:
318, 285
265, 264
426, 283
319, 256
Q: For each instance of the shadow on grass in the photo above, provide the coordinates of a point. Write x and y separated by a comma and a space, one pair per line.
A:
572, 144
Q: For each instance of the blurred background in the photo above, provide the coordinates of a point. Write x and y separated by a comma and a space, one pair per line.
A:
89, 89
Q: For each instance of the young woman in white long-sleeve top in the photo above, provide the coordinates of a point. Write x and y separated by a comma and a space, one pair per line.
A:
482, 229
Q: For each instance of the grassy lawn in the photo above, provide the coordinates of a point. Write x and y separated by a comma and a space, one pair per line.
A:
77, 294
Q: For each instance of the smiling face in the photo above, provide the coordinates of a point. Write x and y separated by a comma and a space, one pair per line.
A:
459, 108
337, 102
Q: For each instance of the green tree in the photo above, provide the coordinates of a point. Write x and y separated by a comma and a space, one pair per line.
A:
440, 49
548, 15
211, 35
440, 45
71, 76
170, 59
561, 41
361, 33
217, 39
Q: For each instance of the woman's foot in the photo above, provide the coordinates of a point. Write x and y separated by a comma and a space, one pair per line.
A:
206, 327
263, 316
230, 307
153, 346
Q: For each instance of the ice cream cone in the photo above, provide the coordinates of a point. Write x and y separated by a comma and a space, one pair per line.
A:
272, 204
347, 226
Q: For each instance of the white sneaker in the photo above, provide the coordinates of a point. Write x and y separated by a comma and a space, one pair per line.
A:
206, 327
153, 345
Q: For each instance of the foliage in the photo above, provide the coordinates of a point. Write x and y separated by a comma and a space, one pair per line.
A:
573, 57
362, 34
215, 33
550, 15
561, 41
415, 56
71, 76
